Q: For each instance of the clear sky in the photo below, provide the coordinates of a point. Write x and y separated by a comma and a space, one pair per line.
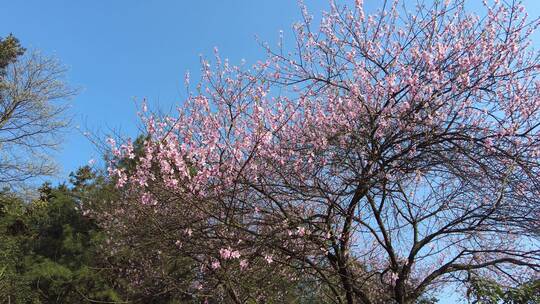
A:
117, 51
120, 50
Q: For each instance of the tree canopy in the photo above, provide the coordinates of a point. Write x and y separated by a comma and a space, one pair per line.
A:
395, 152
32, 115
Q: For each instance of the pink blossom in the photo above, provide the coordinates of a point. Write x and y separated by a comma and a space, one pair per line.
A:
268, 258
243, 264
228, 253
215, 265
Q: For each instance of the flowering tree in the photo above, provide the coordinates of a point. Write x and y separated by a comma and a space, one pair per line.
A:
396, 151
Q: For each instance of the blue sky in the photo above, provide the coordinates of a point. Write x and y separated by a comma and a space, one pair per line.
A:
121, 51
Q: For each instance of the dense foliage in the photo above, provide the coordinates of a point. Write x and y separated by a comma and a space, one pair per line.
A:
49, 251
484, 291
10, 49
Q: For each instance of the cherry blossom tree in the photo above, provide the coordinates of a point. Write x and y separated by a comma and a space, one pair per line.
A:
394, 151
